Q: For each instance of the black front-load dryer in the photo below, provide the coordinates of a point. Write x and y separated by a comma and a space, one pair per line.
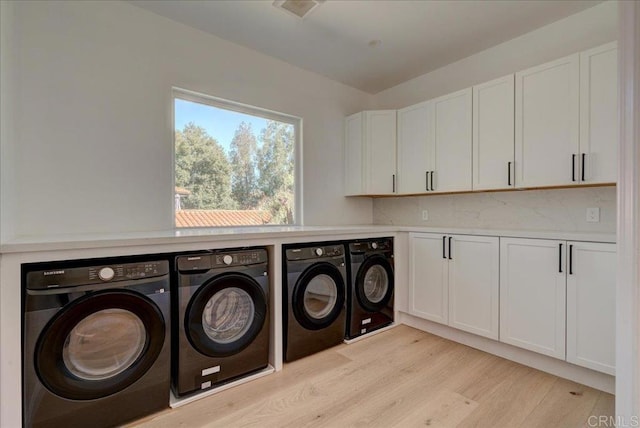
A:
96, 342
371, 288
222, 320
314, 295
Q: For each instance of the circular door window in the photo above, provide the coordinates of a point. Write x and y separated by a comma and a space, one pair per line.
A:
225, 315
104, 344
374, 283
228, 314
99, 344
318, 296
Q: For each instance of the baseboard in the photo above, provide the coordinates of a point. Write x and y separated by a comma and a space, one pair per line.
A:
582, 375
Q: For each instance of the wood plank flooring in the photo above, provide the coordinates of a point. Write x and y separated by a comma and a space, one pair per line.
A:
400, 378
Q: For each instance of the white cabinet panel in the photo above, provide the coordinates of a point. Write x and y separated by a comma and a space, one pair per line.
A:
353, 150
591, 291
547, 124
493, 134
428, 297
452, 139
454, 280
474, 284
533, 294
380, 151
415, 148
599, 114
370, 153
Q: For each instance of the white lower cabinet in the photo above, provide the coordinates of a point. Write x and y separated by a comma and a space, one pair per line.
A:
454, 280
591, 291
545, 282
532, 294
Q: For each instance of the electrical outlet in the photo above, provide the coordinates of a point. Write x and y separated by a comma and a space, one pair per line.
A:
593, 215
425, 215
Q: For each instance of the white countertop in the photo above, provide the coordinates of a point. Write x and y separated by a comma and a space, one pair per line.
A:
182, 236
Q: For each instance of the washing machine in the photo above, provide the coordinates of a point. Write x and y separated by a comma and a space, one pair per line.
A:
314, 296
222, 322
371, 286
96, 342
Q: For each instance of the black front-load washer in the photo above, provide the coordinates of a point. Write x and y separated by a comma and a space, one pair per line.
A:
96, 342
371, 288
222, 318
314, 295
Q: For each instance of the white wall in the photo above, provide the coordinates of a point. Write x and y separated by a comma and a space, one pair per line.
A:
6, 107
92, 151
534, 210
589, 28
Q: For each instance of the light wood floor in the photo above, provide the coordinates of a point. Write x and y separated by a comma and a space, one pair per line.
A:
400, 378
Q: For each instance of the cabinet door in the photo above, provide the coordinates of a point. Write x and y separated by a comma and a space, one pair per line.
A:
353, 149
452, 139
415, 147
533, 294
591, 306
599, 114
380, 151
428, 277
493, 139
547, 124
474, 284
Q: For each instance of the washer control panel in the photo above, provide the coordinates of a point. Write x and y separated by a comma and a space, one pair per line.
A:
72, 277
221, 259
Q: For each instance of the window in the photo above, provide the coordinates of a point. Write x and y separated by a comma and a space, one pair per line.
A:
234, 165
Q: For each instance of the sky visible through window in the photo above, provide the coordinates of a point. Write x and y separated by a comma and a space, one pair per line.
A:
220, 124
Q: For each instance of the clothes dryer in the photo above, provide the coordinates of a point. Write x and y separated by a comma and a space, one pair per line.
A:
314, 295
222, 318
371, 286
96, 342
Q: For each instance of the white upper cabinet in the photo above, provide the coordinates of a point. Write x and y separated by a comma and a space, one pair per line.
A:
452, 141
493, 134
370, 153
547, 124
415, 148
591, 305
599, 114
353, 148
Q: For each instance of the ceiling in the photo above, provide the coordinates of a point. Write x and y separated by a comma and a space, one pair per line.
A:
410, 37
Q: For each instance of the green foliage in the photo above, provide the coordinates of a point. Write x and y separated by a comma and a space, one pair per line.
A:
253, 177
202, 167
276, 166
242, 156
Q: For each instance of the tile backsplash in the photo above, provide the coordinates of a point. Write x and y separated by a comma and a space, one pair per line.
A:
551, 210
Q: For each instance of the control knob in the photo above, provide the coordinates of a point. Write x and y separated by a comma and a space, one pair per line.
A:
227, 259
106, 274
319, 251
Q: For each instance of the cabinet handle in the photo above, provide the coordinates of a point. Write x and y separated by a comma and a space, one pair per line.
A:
573, 167
560, 258
509, 172
444, 244
570, 259
394, 183
582, 172
426, 179
431, 180
450, 258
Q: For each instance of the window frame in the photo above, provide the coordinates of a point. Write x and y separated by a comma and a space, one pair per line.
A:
221, 103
